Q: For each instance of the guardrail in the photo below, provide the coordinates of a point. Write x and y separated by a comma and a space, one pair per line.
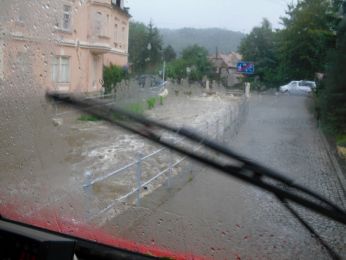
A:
231, 121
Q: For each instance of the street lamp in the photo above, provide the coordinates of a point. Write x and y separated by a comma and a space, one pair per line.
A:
164, 71
149, 49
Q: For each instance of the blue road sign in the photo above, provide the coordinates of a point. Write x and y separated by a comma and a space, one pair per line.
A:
246, 67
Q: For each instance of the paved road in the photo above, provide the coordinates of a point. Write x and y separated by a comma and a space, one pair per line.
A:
217, 217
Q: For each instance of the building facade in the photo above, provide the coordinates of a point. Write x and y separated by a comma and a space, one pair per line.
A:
226, 67
67, 49
88, 37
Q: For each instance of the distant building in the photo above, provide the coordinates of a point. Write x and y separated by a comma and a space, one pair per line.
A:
81, 38
226, 67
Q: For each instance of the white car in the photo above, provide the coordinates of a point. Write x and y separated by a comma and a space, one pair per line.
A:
298, 87
311, 84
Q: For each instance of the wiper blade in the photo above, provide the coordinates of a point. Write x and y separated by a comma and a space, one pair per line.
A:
244, 168
330, 251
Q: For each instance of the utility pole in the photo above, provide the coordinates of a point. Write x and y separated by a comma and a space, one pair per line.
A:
164, 71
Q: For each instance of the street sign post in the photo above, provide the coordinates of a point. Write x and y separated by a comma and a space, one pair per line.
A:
246, 67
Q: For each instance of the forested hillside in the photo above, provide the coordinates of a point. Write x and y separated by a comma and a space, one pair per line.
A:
225, 40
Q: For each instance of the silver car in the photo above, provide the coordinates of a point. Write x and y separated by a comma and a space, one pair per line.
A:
298, 87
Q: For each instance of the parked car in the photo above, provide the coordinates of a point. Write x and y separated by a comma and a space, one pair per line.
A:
147, 80
298, 87
311, 84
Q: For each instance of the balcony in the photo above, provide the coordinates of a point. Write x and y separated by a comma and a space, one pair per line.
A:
101, 2
98, 48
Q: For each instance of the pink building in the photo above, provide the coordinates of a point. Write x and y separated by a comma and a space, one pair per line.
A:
88, 36
68, 51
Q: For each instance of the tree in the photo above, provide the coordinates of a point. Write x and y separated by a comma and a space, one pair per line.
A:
145, 46
169, 54
137, 44
304, 42
153, 51
333, 96
299, 50
311, 41
260, 47
196, 57
177, 69
194, 53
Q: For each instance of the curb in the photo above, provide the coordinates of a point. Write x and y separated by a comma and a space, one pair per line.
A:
340, 175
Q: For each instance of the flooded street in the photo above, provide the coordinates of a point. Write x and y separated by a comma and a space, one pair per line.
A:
53, 185
213, 216
202, 213
104, 103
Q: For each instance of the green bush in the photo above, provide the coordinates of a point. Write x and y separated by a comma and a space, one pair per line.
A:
112, 75
161, 100
89, 118
136, 108
341, 140
332, 91
151, 102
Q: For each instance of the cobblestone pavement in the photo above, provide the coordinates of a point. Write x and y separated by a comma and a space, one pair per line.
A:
220, 218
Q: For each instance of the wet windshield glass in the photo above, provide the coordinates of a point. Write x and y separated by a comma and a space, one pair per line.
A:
221, 68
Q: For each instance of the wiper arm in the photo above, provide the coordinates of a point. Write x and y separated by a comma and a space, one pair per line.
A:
245, 169
330, 251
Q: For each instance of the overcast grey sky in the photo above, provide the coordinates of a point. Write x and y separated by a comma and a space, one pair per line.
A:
237, 15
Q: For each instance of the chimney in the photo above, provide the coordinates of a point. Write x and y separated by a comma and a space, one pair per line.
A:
118, 3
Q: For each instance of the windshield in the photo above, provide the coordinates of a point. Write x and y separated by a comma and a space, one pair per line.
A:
308, 84
215, 67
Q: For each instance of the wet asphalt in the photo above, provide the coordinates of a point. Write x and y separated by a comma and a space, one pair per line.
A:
208, 214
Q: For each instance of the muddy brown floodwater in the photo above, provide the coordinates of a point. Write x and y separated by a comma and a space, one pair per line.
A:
101, 149
53, 179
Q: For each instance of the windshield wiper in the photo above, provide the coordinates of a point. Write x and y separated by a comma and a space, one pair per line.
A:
244, 169
240, 167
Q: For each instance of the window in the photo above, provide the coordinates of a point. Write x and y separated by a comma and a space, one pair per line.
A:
120, 3
22, 61
61, 69
98, 23
116, 33
101, 24
106, 26
1, 63
123, 34
66, 23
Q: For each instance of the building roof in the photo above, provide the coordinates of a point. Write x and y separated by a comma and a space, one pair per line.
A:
229, 60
